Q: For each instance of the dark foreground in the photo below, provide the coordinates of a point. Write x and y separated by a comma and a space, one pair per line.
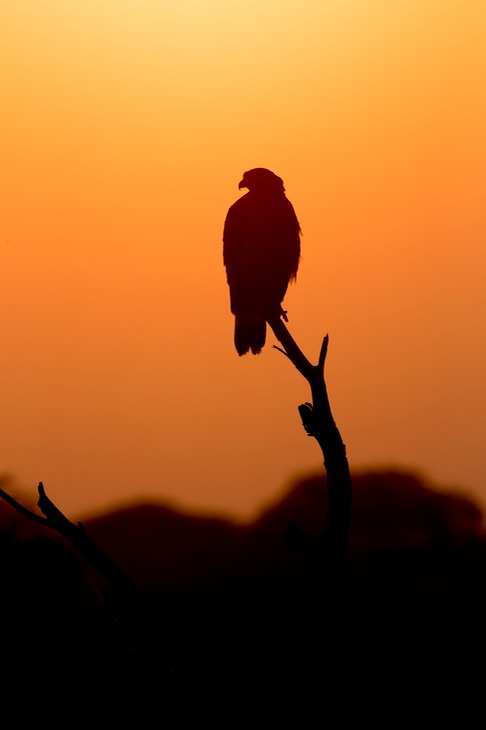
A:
232, 626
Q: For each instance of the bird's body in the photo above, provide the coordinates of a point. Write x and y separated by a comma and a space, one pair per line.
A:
261, 253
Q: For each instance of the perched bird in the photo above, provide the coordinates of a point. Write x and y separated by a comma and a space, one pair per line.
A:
261, 253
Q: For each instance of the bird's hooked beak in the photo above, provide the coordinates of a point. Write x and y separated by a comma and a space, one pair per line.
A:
242, 184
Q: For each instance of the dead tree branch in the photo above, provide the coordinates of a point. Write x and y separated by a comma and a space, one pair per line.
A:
75, 534
319, 423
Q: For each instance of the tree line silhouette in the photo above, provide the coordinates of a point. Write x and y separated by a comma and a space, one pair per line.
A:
314, 609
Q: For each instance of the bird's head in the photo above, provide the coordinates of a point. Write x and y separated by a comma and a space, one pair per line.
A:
261, 179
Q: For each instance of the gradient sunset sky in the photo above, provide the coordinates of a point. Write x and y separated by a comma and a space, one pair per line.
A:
126, 127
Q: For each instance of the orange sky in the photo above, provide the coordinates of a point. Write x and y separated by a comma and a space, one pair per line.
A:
126, 127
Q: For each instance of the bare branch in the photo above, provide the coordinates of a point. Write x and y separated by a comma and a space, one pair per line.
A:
21, 509
318, 422
76, 535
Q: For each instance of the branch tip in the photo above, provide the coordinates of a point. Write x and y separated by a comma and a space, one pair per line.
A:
323, 352
284, 352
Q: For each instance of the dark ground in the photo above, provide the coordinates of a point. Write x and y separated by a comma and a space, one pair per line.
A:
232, 626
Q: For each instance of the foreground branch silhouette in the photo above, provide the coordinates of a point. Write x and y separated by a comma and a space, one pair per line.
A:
76, 535
319, 423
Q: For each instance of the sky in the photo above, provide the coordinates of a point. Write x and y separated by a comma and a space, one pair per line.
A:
126, 127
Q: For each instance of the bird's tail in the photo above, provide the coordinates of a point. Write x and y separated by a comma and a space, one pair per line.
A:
250, 333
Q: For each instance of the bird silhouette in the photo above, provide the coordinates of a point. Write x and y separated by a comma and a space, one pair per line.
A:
261, 254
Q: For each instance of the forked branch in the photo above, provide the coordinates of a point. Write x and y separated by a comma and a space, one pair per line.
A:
75, 534
319, 423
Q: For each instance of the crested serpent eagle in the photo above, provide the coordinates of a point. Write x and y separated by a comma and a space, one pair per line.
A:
261, 253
